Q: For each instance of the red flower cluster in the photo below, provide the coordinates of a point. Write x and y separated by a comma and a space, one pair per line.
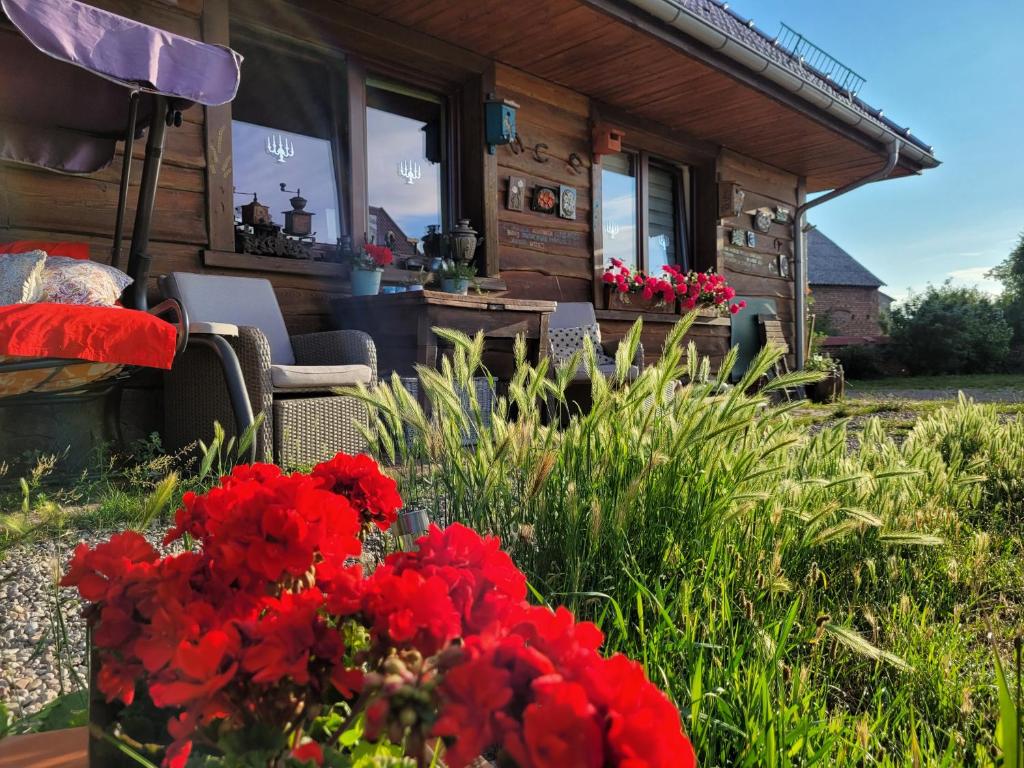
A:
703, 289
693, 289
626, 281
379, 255
246, 635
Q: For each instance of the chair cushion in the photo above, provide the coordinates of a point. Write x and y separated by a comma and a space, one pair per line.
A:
572, 314
245, 301
567, 341
319, 376
21, 277
213, 329
75, 281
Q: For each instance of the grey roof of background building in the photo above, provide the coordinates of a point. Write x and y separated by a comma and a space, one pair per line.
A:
828, 264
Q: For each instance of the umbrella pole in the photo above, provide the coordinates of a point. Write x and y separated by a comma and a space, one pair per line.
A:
126, 172
139, 258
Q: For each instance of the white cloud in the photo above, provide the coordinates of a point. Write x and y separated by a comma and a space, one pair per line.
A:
976, 277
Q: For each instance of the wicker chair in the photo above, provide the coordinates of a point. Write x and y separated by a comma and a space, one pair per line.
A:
241, 360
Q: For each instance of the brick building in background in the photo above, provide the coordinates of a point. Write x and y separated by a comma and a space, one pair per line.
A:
847, 301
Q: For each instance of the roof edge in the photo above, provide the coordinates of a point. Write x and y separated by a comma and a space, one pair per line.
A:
850, 110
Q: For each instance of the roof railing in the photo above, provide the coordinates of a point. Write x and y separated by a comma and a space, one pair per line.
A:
814, 58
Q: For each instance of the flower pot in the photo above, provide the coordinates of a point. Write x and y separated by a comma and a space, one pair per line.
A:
828, 390
635, 302
366, 282
458, 285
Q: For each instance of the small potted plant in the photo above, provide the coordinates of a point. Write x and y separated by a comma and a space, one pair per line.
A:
368, 267
832, 387
455, 276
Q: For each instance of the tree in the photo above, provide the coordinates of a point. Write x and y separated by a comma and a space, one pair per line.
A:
1011, 274
948, 329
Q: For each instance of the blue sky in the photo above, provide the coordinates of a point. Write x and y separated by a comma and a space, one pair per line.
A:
954, 73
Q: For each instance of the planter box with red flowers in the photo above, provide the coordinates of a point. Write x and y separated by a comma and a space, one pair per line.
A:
267, 645
705, 292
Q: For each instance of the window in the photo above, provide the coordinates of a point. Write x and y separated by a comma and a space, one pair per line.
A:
645, 207
284, 132
405, 164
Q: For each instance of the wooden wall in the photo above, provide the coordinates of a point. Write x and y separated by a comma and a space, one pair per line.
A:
754, 271
542, 256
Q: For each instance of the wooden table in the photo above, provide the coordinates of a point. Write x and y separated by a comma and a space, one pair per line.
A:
55, 749
401, 326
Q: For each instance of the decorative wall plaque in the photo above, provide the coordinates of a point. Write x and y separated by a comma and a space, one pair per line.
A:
730, 199
751, 238
783, 265
516, 193
763, 219
737, 237
781, 215
545, 199
567, 202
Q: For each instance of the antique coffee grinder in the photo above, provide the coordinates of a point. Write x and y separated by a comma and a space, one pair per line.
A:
298, 222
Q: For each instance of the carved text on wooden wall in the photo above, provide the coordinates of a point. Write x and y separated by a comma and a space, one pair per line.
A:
543, 238
750, 262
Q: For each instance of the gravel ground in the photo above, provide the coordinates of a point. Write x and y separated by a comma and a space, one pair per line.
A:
978, 395
28, 658
28, 648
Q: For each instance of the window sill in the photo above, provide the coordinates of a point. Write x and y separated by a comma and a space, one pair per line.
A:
326, 269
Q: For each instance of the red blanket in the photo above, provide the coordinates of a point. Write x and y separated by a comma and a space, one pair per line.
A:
99, 334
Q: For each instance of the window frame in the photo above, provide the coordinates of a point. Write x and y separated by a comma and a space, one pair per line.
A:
345, 99
336, 64
682, 213
410, 86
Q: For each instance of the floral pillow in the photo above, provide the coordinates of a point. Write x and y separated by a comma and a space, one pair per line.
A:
21, 277
72, 281
566, 341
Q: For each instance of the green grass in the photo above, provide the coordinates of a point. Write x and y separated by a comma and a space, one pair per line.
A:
803, 603
982, 381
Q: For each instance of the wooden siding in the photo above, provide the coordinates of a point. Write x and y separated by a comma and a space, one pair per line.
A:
541, 255
754, 271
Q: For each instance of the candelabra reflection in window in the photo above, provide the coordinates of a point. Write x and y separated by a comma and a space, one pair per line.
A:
410, 170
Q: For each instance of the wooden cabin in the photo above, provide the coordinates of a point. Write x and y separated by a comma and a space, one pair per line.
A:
376, 110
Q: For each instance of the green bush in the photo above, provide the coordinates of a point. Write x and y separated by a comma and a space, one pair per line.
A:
949, 330
805, 603
863, 361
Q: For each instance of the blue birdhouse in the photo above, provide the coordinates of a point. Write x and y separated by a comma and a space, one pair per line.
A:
499, 122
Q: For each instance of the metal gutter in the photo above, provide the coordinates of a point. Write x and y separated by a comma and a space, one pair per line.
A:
874, 126
800, 250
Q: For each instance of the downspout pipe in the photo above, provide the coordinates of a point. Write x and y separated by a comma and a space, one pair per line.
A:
800, 251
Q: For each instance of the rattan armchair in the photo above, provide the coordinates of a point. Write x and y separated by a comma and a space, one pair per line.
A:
241, 361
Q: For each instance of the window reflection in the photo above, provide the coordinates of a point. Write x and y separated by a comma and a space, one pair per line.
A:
662, 204
307, 165
404, 153
619, 207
